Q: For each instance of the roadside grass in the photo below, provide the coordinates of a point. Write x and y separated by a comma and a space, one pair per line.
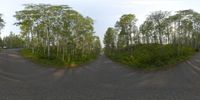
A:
36, 59
152, 57
52, 62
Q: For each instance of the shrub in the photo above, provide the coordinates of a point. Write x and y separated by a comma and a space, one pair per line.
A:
57, 62
152, 56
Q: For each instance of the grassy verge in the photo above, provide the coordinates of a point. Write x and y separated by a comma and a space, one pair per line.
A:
152, 57
52, 62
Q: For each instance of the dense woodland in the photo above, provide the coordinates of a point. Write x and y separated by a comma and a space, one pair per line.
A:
161, 39
58, 32
12, 41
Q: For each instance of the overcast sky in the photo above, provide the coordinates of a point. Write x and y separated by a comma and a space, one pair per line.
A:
104, 12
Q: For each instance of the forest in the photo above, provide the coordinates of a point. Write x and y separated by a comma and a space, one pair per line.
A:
57, 34
161, 40
60, 36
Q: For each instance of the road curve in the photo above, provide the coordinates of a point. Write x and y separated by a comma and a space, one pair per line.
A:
102, 79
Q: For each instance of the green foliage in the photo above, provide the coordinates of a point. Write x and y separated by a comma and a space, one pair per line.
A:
152, 56
58, 32
1, 43
38, 59
109, 39
56, 62
13, 41
162, 39
2, 23
1, 26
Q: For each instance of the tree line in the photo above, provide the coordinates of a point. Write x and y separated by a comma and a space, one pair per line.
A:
160, 27
2, 24
11, 41
58, 31
162, 39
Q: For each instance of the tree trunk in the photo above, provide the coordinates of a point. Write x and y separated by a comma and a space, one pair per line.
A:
48, 43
